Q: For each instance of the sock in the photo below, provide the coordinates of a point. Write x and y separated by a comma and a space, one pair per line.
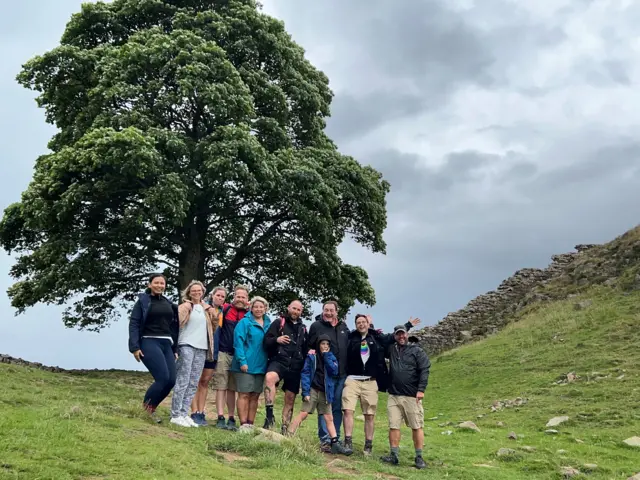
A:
418, 452
368, 443
395, 451
347, 439
269, 412
220, 417
334, 440
231, 418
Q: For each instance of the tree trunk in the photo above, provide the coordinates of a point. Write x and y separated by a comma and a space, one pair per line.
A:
191, 262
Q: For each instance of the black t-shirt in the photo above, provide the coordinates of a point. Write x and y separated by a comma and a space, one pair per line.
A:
159, 318
318, 377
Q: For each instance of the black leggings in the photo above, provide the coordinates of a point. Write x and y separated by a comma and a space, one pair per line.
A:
161, 363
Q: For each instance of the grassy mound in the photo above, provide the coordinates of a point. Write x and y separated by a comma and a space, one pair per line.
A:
63, 426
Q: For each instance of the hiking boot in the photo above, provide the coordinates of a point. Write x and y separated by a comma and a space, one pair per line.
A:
338, 449
420, 463
284, 429
325, 447
268, 423
220, 423
392, 459
155, 417
368, 450
152, 413
348, 443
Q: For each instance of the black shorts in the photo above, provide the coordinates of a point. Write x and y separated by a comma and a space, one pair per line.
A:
210, 364
290, 379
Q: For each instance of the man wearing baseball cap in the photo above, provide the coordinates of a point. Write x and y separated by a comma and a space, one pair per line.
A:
408, 377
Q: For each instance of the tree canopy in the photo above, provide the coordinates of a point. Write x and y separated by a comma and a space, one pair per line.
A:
190, 138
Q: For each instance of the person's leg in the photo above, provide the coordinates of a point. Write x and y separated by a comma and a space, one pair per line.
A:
231, 397
336, 447
369, 426
287, 410
271, 379
296, 422
197, 365
154, 361
350, 397
395, 415
183, 372
415, 421
322, 430
253, 407
336, 407
369, 404
243, 407
200, 400
170, 361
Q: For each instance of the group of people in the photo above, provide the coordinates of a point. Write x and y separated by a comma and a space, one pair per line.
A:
242, 353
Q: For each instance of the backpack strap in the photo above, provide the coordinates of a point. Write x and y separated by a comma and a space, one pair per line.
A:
224, 314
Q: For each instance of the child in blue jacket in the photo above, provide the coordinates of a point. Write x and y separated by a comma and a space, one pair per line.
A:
318, 378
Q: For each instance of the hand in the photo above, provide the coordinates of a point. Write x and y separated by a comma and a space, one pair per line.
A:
419, 396
244, 368
379, 331
369, 318
284, 340
175, 355
414, 321
138, 354
311, 352
307, 398
324, 349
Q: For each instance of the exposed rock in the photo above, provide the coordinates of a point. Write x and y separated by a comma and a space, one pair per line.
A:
582, 305
528, 449
561, 452
512, 436
23, 363
269, 436
551, 431
469, 426
483, 465
579, 441
633, 441
498, 405
505, 452
555, 421
590, 467
500, 424
569, 472
635, 477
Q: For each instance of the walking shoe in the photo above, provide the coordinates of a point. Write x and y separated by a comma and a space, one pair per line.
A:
220, 423
325, 447
284, 429
245, 428
420, 463
155, 417
268, 423
199, 418
152, 413
180, 421
190, 421
392, 459
338, 449
368, 450
231, 424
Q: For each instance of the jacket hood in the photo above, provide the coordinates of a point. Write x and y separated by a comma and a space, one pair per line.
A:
322, 338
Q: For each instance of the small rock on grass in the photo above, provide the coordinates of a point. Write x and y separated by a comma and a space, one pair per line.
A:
506, 452
635, 477
527, 448
555, 421
500, 424
579, 441
569, 472
633, 441
469, 426
551, 431
512, 436
590, 467
561, 452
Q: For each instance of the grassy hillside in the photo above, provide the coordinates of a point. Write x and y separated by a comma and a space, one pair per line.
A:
62, 426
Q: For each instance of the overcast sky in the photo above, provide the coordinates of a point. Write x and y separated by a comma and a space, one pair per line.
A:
508, 131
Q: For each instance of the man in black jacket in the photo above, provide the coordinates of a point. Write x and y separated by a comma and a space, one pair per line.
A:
329, 324
286, 344
408, 377
367, 375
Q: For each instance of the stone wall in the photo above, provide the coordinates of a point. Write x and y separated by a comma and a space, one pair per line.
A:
19, 361
490, 312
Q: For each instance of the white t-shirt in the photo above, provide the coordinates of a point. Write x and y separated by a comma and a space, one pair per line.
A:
194, 333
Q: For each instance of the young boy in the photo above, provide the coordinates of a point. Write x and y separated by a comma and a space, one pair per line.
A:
318, 377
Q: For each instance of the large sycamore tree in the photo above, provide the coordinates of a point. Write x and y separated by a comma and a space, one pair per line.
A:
191, 140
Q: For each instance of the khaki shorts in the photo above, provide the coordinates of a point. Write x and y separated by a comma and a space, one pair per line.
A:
408, 408
317, 400
223, 378
365, 391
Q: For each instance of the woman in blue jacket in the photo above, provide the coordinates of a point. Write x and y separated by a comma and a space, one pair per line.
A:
249, 364
153, 340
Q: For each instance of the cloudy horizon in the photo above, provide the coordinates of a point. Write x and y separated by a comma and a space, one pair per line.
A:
506, 131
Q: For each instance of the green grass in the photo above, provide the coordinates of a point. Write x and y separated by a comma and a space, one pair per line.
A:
64, 426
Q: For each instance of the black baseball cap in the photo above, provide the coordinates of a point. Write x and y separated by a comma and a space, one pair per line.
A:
399, 328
